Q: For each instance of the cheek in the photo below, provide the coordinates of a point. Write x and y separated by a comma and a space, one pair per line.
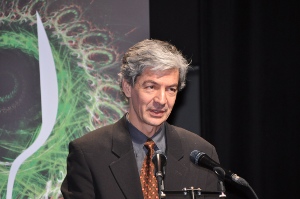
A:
146, 102
171, 102
140, 101
144, 99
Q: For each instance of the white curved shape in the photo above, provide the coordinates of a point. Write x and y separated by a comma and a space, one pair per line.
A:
49, 102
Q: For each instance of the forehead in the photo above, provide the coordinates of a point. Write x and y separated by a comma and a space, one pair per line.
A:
169, 74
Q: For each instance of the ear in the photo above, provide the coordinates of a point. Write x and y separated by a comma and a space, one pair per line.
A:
126, 88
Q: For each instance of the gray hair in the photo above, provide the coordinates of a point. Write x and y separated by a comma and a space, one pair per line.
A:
156, 54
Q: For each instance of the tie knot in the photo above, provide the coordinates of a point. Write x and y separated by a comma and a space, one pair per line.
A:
149, 144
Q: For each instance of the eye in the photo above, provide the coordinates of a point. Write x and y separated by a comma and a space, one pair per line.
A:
173, 89
149, 87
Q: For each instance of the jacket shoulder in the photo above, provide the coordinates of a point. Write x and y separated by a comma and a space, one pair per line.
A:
193, 141
101, 137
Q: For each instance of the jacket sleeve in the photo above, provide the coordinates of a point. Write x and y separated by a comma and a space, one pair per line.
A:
78, 183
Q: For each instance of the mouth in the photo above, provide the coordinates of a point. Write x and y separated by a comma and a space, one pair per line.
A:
157, 113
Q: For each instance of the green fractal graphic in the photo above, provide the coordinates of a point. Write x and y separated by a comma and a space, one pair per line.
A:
86, 64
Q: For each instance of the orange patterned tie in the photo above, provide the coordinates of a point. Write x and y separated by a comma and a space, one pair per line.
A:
148, 179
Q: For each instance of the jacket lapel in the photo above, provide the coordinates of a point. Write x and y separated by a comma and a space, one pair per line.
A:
125, 169
175, 169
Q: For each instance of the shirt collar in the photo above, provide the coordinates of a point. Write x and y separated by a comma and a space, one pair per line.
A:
140, 138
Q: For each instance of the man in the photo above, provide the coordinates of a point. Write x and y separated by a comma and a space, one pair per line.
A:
107, 162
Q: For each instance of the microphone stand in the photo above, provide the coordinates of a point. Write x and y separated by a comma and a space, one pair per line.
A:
221, 176
159, 160
160, 182
222, 189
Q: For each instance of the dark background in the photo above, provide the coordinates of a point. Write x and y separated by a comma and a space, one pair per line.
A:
243, 92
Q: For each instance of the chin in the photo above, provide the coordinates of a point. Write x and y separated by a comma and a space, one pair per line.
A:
156, 122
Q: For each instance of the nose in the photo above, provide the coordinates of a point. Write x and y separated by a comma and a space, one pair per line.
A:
160, 97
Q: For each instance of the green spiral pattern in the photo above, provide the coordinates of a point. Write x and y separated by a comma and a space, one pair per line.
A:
86, 64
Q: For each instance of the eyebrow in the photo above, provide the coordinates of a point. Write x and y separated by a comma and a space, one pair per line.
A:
153, 82
149, 81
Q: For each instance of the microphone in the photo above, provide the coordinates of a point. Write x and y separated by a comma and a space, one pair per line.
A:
160, 160
201, 159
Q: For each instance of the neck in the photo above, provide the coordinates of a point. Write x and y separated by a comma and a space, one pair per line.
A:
148, 130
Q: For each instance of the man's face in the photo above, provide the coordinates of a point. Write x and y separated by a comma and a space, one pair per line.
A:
152, 98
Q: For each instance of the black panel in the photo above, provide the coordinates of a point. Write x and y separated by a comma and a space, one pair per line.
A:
178, 23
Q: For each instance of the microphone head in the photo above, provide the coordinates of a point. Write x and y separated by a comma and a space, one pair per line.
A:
160, 160
195, 155
201, 159
161, 155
